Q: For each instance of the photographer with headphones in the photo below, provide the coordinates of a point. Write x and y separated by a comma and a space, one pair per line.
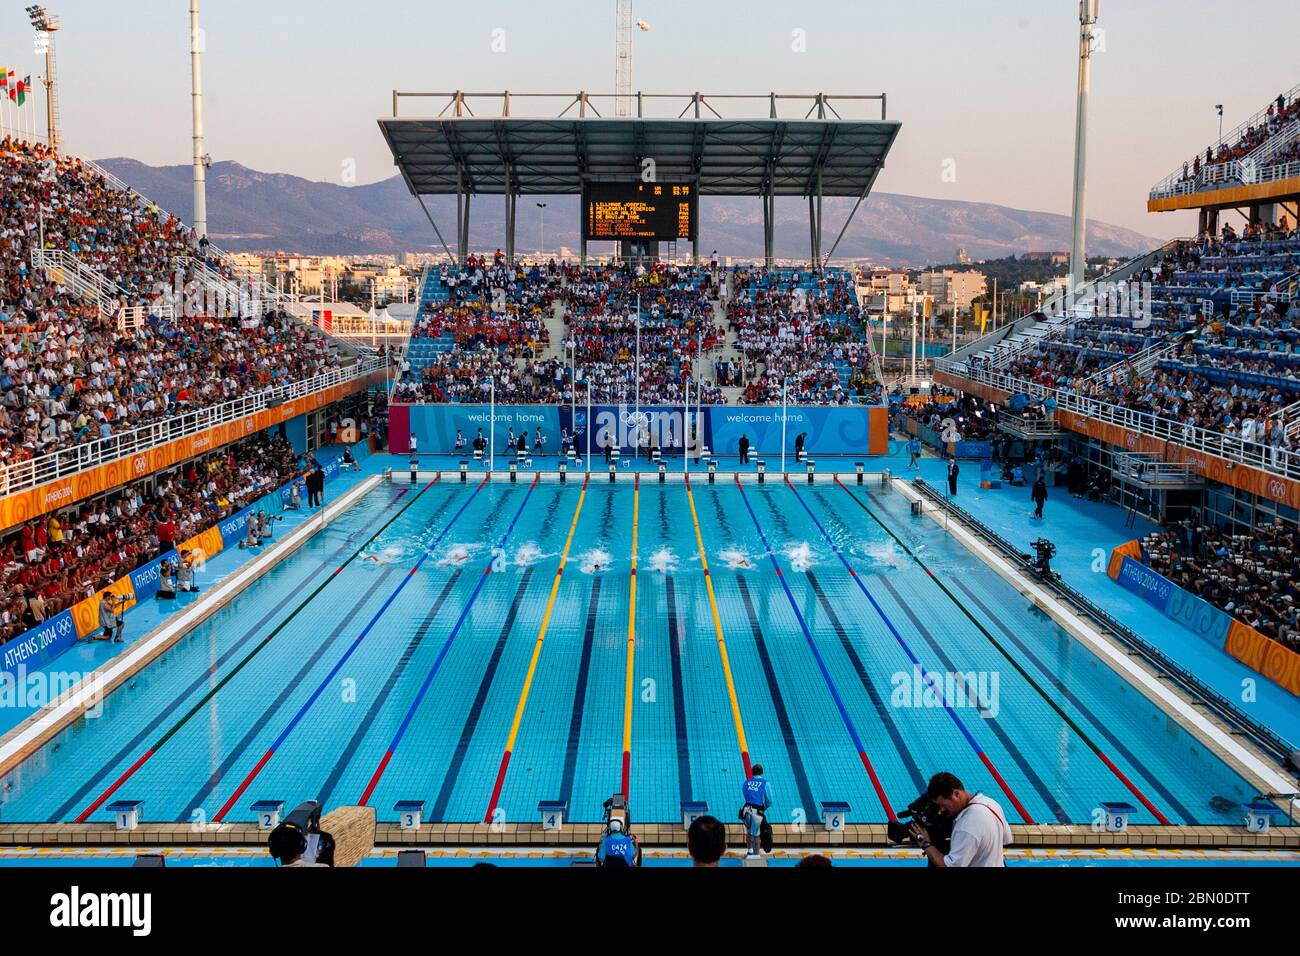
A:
979, 832
618, 847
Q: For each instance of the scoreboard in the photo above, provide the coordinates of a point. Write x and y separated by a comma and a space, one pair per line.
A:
639, 210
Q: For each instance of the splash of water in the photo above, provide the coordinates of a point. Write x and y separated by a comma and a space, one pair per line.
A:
886, 554
664, 561
529, 554
801, 556
595, 561
736, 559
457, 555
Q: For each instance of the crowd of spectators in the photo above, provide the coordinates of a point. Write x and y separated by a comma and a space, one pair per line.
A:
796, 333
1250, 576
51, 563
69, 375
1278, 117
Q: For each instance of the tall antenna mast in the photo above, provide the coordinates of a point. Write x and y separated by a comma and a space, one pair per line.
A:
200, 161
623, 58
1078, 259
45, 24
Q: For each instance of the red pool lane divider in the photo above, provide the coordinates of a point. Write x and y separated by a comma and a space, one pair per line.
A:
1087, 739
928, 676
442, 655
821, 664
212, 692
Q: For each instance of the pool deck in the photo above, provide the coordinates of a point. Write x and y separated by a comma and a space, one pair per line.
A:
573, 835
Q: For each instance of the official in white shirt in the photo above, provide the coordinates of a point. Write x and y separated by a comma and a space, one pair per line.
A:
980, 829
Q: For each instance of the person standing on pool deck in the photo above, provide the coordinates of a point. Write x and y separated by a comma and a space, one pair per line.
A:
953, 471
413, 443
914, 449
744, 449
1039, 495
757, 797
799, 439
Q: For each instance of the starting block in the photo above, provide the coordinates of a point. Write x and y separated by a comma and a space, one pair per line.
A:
1259, 815
692, 811
1117, 815
126, 813
409, 813
552, 812
268, 813
834, 815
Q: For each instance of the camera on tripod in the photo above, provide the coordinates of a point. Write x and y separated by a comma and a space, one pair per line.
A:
299, 836
1044, 551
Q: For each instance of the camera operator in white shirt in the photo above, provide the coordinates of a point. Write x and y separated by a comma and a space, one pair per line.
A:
980, 829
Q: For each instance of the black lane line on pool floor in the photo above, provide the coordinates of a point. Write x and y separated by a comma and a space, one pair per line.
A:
1174, 803
450, 778
802, 784
359, 735
258, 726
678, 691
579, 696
891, 728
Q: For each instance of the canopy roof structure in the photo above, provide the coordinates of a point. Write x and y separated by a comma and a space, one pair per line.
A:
456, 152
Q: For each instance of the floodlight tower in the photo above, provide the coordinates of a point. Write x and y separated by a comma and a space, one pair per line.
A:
200, 161
1078, 261
46, 24
623, 56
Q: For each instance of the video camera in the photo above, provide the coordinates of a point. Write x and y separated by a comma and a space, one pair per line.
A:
300, 835
617, 819
926, 812
1044, 551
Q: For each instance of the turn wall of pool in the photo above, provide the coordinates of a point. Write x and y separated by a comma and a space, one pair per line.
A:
503, 643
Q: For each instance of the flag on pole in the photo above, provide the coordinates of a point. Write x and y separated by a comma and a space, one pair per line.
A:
4, 77
18, 92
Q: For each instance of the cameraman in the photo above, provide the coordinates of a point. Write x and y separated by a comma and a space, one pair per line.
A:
979, 830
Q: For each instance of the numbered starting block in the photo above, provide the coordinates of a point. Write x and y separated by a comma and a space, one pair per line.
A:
1259, 815
613, 471
760, 466
552, 812
713, 470
268, 813
514, 470
564, 469
464, 469
692, 811
126, 813
834, 815
654, 455
859, 469
1117, 815
812, 469
478, 455
410, 813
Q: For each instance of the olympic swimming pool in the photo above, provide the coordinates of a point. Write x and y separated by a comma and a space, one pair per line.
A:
488, 645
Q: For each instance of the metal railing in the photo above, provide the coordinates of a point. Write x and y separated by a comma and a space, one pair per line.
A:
23, 475
65, 269
1169, 185
1268, 458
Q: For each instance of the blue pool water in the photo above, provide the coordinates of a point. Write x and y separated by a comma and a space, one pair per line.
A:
402, 679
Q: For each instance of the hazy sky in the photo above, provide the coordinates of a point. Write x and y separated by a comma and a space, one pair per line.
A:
295, 86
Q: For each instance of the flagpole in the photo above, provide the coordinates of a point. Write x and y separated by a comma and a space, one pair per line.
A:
784, 385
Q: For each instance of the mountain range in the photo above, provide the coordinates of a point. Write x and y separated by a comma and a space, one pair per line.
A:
266, 212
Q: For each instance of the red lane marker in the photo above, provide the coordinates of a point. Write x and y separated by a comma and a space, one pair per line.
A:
627, 773
239, 791
1133, 789
496, 787
880, 790
374, 778
85, 814
1006, 789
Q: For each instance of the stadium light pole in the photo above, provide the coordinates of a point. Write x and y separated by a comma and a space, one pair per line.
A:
196, 92
492, 422
785, 382
46, 23
541, 247
1078, 267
